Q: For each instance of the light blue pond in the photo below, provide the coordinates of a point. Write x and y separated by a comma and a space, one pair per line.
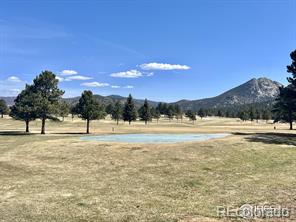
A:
154, 138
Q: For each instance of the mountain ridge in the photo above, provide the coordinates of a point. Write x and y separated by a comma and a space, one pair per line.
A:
253, 91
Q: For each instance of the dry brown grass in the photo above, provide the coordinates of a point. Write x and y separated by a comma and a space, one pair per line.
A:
58, 177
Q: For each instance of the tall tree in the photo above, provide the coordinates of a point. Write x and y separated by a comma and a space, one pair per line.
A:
117, 112
219, 113
64, 109
243, 115
155, 113
48, 95
3, 108
88, 108
191, 115
144, 112
266, 115
24, 108
129, 111
170, 112
178, 112
285, 106
257, 115
109, 109
201, 113
252, 113
73, 111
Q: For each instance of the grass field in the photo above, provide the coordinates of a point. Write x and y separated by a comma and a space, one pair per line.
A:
58, 177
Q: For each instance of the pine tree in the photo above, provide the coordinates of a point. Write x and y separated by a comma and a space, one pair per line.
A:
170, 112
117, 112
24, 108
109, 109
285, 106
266, 115
201, 113
219, 114
191, 115
47, 96
89, 108
144, 112
252, 114
155, 114
3, 108
129, 111
257, 115
178, 112
64, 109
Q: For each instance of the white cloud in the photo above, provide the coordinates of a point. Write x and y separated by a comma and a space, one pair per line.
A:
70, 78
149, 74
13, 79
127, 74
68, 72
61, 79
129, 87
94, 84
115, 87
163, 66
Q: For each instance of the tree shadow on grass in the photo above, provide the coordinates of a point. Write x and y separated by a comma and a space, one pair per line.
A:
71, 133
15, 133
271, 138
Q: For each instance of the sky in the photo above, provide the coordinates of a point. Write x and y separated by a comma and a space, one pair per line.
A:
163, 50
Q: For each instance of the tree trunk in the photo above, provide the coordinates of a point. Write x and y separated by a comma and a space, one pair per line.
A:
87, 126
129, 122
117, 121
145, 122
290, 120
63, 119
27, 126
43, 126
2, 115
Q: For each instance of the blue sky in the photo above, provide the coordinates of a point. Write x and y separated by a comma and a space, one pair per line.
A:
162, 50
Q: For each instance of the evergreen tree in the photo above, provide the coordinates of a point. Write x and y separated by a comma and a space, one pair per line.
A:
227, 114
89, 108
109, 109
155, 113
243, 115
252, 114
73, 111
266, 115
219, 114
178, 112
144, 112
3, 108
257, 115
201, 113
170, 112
129, 111
285, 106
23, 108
117, 112
48, 95
64, 109
191, 115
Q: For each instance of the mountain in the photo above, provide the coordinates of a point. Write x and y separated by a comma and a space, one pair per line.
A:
254, 91
112, 99
9, 100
